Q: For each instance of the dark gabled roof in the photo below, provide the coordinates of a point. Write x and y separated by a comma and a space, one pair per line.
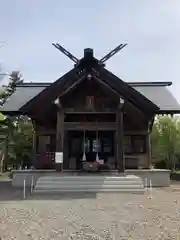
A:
79, 73
162, 97
157, 92
23, 94
149, 97
51, 92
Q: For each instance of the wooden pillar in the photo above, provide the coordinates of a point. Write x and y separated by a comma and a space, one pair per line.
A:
120, 141
65, 151
59, 136
148, 143
34, 144
115, 166
148, 150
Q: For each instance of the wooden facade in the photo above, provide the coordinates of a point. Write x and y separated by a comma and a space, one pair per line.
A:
90, 116
119, 148
90, 113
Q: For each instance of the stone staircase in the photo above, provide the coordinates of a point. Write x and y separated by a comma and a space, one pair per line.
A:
90, 183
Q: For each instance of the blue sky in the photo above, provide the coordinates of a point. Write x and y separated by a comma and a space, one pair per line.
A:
150, 27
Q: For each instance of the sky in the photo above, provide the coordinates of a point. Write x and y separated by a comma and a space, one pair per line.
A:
151, 28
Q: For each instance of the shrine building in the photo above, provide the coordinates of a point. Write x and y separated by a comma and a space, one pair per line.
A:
91, 119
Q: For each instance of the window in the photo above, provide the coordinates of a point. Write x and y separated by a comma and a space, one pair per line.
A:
127, 144
135, 144
138, 143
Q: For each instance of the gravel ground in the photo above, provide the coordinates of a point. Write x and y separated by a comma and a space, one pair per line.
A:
90, 216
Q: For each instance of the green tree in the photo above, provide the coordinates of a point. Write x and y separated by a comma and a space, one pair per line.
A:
165, 140
20, 147
7, 125
14, 78
7, 128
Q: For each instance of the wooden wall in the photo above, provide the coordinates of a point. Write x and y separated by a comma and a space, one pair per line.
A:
100, 115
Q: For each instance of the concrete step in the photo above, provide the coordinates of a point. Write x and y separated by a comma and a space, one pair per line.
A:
51, 186
91, 183
59, 182
52, 191
92, 178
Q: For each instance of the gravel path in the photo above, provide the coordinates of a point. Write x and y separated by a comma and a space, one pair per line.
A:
90, 216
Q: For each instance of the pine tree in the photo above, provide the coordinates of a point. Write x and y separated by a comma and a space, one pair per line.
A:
7, 126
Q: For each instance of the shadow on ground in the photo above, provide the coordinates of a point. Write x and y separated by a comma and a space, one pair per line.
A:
8, 193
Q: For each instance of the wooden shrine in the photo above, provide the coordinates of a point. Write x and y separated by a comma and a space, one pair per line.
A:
89, 119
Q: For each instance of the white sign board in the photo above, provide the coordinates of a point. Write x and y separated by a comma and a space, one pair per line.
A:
59, 157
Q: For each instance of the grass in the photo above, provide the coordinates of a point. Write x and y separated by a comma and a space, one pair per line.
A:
177, 171
2, 117
4, 176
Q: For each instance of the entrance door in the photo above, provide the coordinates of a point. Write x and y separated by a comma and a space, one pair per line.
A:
92, 142
101, 142
92, 145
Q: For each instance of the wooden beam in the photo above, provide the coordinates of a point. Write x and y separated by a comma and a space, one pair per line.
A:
136, 132
73, 86
83, 110
106, 85
92, 126
46, 133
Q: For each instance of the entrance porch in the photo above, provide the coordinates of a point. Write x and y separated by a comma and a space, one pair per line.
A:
90, 146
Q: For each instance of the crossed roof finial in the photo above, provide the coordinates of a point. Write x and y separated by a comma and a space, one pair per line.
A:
89, 51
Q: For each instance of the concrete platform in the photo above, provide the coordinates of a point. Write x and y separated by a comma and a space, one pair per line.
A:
159, 178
